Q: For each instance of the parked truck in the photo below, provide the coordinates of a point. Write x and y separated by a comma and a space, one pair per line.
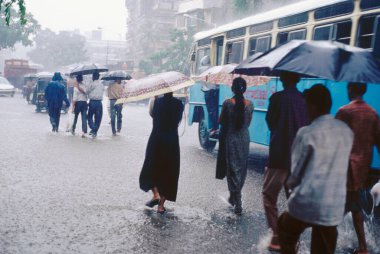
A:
16, 69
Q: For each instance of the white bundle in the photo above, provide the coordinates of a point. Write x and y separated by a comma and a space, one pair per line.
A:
375, 192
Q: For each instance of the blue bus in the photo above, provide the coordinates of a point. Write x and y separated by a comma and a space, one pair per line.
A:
353, 22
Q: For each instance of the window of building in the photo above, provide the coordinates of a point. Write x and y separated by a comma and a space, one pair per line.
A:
334, 10
369, 4
366, 32
259, 44
335, 32
284, 37
236, 33
234, 52
300, 18
259, 28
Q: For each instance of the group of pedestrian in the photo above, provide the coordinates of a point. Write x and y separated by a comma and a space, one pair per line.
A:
321, 161
86, 101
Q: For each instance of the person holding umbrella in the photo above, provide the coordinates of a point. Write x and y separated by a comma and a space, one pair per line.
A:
286, 114
114, 92
80, 105
55, 94
161, 167
95, 92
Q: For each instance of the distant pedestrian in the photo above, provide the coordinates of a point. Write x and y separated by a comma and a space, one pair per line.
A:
80, 105
55, 95
95, 91
235, 119
70, 87
286, 114
317, 181
161, 167
114, 92
365, 123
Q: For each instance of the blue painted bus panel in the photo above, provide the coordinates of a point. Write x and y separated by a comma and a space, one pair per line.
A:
260, 95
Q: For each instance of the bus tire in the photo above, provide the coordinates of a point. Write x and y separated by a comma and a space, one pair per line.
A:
203, 135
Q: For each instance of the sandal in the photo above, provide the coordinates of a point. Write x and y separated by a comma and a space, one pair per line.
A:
357, 251
274, 247
152, 203
162, 212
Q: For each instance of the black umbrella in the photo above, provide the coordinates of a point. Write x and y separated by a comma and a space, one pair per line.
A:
117, 75
85, 69
325, 59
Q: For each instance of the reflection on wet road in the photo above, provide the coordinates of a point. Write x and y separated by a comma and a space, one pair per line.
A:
64, 194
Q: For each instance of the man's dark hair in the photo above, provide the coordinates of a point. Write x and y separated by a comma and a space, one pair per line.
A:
289, 78
357, 88
79, 78
95, 76
319, 96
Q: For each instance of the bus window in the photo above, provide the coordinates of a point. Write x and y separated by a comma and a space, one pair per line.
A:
343, 32
203, 60
259, 44
219, 50
369, 4
340, 32
293, 35
323, 33
366, 32
234, 52
334, 10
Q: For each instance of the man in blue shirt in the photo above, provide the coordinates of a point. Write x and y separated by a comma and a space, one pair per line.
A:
55, 94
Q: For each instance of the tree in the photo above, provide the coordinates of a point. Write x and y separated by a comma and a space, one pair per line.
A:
54, 50
15, 31
174, 57
6, 7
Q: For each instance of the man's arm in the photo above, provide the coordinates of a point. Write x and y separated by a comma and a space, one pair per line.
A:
377, 134
272, 113
301, 152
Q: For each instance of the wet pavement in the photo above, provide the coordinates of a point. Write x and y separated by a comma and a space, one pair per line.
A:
66, 194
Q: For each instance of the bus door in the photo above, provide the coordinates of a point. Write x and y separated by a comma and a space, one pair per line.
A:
218, 50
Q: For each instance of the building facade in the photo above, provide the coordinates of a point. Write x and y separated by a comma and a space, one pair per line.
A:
149, 24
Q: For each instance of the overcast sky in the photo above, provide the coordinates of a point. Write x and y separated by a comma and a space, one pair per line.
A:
85, 15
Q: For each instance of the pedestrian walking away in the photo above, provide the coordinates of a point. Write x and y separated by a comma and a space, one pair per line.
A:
80, 105
317, 181
365, 123
161, 167
286, 114
95, 91
235, 119
55, 95
114, 92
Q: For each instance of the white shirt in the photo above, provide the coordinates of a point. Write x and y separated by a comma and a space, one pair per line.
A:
95, 90
78, 95
319, 165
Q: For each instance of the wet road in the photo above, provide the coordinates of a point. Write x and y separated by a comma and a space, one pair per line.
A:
66, 194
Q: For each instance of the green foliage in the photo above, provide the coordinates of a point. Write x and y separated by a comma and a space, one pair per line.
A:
173, 58
15, 31
241, 6
56, 50
6, 10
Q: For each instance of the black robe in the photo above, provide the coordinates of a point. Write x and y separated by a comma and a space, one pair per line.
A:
162, 160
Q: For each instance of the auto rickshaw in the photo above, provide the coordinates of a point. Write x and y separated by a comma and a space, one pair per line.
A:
43, 79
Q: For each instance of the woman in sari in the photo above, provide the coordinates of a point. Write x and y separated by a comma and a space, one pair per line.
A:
235, 119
